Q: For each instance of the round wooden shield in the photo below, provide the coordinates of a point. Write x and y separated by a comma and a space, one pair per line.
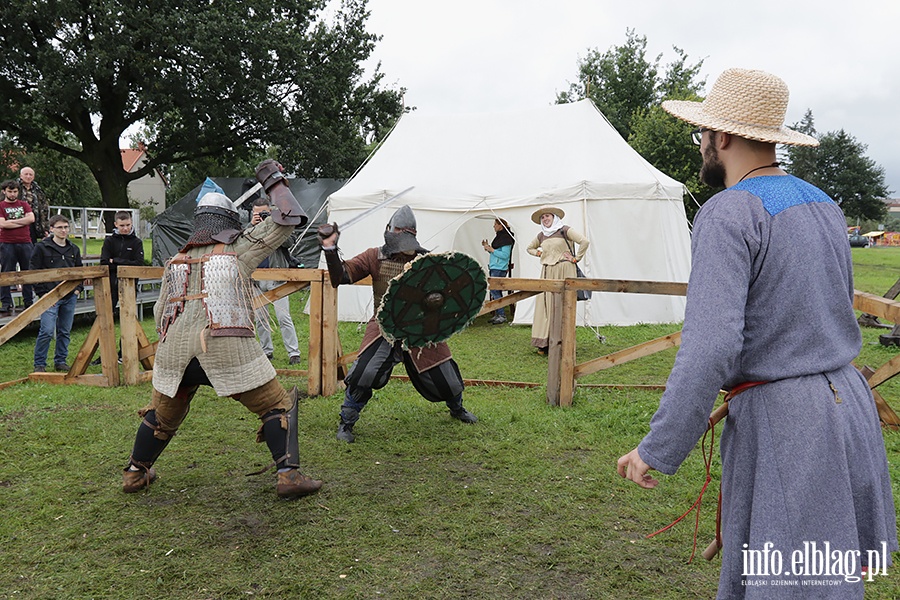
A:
435, 297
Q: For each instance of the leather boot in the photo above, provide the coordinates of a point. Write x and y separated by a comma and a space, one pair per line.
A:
294, 484
345, 428
463, 415
135, 481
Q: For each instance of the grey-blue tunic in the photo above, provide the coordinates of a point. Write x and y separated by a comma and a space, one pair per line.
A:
770, 298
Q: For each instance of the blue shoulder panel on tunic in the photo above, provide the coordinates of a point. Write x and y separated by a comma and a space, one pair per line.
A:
779, 193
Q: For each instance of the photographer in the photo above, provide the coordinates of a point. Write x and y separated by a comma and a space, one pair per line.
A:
279, 259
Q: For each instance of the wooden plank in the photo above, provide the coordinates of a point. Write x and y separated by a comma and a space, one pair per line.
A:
624, 386
531, 285
330, 342
628, 354
279, 292
128, 325
877, 305
7, 384
567, 358
135, 272
147, 350
486, 382
554, 354
103, 305
884, 372
287, 274
8, 331
492, 305
314, 356
622, 286
894, 291
63, 275
86, 352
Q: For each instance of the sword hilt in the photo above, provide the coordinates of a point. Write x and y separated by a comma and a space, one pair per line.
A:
326, 230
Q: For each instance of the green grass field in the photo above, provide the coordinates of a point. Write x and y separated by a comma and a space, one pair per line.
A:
524, 504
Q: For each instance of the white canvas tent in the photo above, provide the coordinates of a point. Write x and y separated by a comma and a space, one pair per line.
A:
465, 169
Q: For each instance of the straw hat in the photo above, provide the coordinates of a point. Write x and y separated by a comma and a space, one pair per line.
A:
547, 210
749, 104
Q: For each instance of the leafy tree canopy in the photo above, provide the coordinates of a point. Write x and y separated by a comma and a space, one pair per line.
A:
841, 169
65, 180
628, 88
205, 79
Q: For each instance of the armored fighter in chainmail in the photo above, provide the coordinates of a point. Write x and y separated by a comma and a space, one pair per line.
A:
431, 369
205, 322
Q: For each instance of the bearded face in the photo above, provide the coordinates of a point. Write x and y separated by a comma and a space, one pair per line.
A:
712, 172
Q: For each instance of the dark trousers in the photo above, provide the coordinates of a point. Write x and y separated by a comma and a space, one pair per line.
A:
12, 255
372, 370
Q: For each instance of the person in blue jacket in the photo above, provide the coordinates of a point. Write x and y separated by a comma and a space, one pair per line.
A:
500, 263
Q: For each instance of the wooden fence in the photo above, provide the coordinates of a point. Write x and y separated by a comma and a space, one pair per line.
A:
327, 363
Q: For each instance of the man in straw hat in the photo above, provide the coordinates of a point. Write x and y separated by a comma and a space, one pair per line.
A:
770, 317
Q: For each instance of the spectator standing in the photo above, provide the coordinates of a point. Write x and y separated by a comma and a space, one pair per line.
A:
279, 259
55, 252
500, 262
31, 192
16, 218
553, 246
122, 247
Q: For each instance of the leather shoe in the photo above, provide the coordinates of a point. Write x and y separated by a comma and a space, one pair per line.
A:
61, 367
294, 484
135, 481
294, 360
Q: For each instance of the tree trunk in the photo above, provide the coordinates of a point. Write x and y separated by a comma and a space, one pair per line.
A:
105, 163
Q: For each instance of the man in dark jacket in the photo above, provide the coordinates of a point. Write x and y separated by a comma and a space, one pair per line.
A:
123, 247
55, 252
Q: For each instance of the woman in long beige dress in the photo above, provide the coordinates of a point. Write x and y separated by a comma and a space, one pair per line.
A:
553, 245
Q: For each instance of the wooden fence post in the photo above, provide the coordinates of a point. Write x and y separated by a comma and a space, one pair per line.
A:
567, 347
554, 349
314, 358
330, 340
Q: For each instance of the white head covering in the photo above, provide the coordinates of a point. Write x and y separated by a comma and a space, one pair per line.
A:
554, 227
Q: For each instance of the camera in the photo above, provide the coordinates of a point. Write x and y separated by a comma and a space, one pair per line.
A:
264, 215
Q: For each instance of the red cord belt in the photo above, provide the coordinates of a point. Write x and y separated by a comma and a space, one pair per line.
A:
717, 415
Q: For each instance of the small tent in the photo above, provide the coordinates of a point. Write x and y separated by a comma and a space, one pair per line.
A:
173, 227
467, 169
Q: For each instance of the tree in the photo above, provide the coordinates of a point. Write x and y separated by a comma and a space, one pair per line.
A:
619, 81
214, 78
65, 180
840, 168
628, 89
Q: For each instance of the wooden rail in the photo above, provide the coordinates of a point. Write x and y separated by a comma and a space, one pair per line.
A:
326, 360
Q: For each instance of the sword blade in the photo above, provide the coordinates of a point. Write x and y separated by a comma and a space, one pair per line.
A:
237, 203
343, 226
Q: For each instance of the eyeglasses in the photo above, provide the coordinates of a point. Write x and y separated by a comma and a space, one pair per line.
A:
697, 135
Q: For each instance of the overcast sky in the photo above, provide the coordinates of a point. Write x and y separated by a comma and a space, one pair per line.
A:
840, 59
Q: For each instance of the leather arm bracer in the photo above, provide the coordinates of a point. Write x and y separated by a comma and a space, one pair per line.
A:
336, 271
269, 174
